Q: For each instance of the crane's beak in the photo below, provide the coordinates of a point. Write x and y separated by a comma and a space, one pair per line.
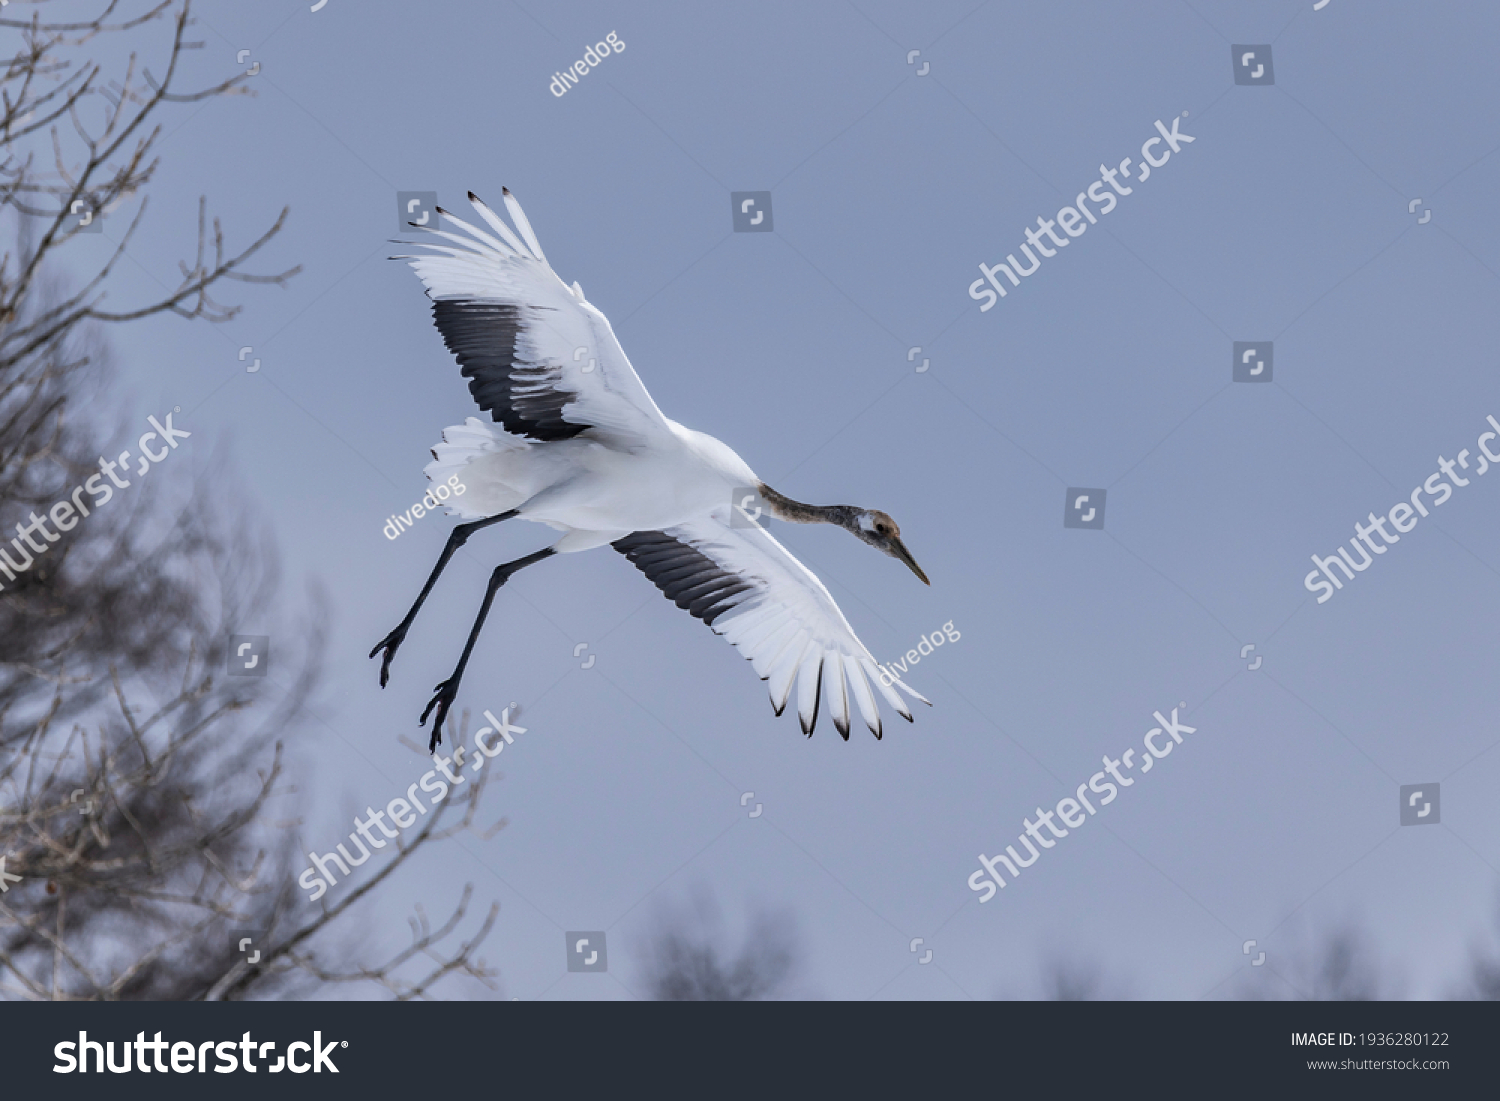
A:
899, 550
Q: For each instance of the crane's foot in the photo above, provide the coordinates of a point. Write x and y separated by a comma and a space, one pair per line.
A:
389, 644
445, 694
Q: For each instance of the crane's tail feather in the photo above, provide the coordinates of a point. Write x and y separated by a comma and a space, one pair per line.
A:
472, 461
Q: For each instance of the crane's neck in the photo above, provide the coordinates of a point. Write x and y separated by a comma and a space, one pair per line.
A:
784, 508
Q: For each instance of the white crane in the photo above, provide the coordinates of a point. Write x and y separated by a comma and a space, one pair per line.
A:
580, 446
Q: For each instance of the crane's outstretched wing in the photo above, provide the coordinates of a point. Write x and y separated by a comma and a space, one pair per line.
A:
539, 358
749, 588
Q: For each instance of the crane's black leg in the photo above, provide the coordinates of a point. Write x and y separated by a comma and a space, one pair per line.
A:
447, 691
456, 538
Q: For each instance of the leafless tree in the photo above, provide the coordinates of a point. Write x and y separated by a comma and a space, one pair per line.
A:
1067, 977
1482, 983
685, 960
145, 814
1066, 980
1337, 964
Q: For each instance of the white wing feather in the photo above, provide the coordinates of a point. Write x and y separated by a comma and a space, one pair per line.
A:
599, 389
774, 610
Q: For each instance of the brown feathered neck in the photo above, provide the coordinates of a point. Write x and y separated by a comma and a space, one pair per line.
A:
784, 508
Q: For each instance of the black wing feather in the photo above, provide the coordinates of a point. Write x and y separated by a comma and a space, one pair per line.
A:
686, 576
527, 398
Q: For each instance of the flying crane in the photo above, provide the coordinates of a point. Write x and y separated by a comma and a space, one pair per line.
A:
578, 444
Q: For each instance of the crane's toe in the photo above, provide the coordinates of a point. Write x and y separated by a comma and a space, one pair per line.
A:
442, 700
389, 644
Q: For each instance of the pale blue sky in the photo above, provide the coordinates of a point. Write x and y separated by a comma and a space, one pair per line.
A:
1286, 220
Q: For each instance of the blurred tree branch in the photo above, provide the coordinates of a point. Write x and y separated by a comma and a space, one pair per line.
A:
684, 958
137, 784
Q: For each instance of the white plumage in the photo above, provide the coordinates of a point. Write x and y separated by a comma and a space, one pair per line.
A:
579, 444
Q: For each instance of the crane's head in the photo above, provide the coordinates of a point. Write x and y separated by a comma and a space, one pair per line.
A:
870, 525
880, 531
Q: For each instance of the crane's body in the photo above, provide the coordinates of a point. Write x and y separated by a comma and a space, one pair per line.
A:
578, 444
594, 492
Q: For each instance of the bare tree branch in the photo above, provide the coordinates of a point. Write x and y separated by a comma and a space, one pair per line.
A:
145, 812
